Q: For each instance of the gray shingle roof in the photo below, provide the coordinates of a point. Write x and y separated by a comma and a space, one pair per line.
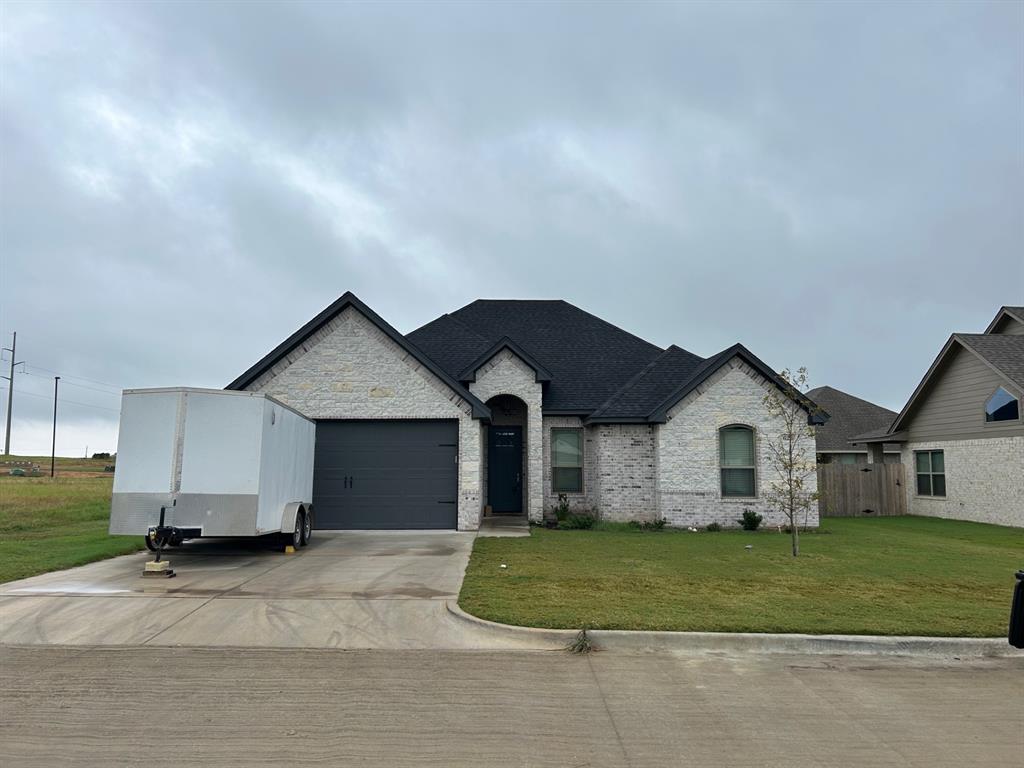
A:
1003, 352
589, 358
655, 381
850, 416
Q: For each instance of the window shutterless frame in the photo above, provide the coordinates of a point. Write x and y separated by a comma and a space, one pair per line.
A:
737, 462
1002, 407
567, 460
930, 467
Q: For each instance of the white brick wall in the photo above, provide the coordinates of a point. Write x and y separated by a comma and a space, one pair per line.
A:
507, 374
349, 369
589, 499
627, 471
689, 485
984, 480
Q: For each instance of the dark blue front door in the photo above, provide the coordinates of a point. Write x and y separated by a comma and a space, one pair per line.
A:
505, 469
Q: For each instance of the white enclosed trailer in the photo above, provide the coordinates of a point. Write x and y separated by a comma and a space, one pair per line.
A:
217, 462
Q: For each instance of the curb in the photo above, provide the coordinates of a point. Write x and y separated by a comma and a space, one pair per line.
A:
745, 642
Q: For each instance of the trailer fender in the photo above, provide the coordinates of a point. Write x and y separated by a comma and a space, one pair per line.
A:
291, 511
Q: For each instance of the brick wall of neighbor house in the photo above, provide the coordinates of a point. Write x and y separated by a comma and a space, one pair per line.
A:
984, 480
348, 369
689, 480
589, 498
626, 471
506, 374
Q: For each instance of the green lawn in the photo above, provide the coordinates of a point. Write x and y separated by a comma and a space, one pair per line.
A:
47, 524
890, 576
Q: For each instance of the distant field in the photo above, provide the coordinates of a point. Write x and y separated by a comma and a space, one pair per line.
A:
64, 465
48, 524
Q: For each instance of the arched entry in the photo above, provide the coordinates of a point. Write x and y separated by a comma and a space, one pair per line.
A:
506, 468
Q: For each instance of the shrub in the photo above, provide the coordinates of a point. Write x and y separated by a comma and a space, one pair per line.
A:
580, 521
647, 525
104, 455
750, 521
713, 528
562, 507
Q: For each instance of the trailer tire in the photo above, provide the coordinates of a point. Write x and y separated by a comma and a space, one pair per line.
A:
307, 527
294, 539
149, 543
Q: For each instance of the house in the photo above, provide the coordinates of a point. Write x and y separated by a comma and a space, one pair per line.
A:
849, 416
961, 433
503, 406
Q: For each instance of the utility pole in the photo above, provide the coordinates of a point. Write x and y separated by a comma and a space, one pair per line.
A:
10, 391
53, 448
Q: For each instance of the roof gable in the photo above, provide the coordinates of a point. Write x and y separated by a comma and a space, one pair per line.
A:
1004, 354
585, 358
1006, 316
541, 373
349, 299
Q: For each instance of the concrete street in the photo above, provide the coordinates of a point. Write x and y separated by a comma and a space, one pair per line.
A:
190, 707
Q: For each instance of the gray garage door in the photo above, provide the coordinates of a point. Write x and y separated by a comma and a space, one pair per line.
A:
385, 474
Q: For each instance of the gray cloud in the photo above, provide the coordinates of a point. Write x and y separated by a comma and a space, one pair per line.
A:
836, 185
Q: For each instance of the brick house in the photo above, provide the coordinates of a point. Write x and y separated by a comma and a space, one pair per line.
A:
961, 434
502, 406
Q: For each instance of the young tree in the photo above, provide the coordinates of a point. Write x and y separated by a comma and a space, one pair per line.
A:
791, 453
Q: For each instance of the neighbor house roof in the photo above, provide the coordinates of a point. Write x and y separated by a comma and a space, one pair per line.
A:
1017, 313
346, 300
1004, 354
850, 417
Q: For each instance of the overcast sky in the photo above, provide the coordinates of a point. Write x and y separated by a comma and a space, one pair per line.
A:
184, 185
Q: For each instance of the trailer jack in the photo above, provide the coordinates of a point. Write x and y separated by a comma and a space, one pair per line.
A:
157, 539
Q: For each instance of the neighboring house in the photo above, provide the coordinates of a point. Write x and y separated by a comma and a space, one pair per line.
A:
849, 416
961, 432
502, 406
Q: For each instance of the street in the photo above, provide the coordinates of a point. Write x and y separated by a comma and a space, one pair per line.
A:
149, 706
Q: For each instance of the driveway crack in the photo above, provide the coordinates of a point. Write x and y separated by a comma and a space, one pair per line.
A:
611, 717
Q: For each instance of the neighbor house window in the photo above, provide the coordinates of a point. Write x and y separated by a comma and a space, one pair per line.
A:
931, 473
1002, 406
736, 456
567, 460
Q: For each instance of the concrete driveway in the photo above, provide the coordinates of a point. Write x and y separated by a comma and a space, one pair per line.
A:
354, 590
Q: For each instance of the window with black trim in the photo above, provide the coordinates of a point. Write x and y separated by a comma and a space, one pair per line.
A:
567, 460
736, 458
931, 473
1002, 406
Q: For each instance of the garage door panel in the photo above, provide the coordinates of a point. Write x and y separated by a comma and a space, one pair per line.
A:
386, 474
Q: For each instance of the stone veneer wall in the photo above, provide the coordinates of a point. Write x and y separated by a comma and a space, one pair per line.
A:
506, 374
689, 480
984, 480
589, 499
349, 369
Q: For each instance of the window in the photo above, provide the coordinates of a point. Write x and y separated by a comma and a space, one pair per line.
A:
931, 473
567, 460
1002, 406
736, 456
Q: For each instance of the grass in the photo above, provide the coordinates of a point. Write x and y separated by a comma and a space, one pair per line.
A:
48, 524
887, 576
63, 465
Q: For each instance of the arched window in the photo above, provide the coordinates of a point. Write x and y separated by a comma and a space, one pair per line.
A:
1002, 406
736, 459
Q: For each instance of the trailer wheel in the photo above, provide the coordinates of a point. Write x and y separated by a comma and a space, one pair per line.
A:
149, 543
294, 539
307, 527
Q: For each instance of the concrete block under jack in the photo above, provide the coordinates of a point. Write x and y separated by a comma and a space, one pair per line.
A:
158, 570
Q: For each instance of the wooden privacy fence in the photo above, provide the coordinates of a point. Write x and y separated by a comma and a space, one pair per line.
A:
861, 490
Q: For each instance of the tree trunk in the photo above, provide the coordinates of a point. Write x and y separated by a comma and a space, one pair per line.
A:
796, 538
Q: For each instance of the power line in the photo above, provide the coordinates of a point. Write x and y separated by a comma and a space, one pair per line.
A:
69, 402
69, 376
81, 386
